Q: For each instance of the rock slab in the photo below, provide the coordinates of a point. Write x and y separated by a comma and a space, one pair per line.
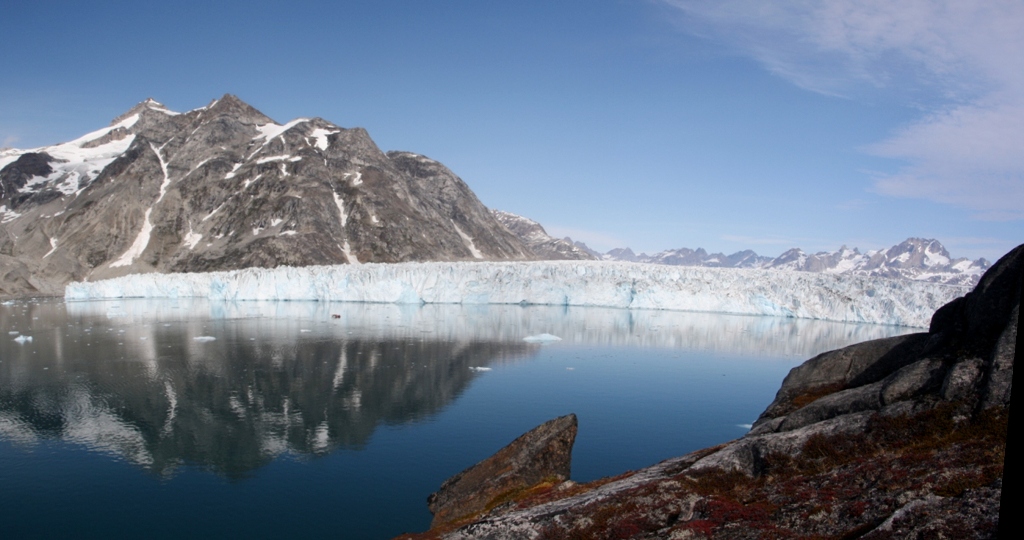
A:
543, 453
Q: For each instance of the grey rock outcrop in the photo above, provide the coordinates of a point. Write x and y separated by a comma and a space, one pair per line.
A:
543, 245
966, 358
541, 454
225, 187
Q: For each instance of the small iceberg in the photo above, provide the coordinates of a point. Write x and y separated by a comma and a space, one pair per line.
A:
13, 332
541, 338
23, 339
479, 368
203, 339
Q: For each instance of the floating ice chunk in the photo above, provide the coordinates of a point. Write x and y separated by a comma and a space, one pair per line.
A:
479, 368
8, 303
23, 339
203, 339
14, 332
541, 338
304, 330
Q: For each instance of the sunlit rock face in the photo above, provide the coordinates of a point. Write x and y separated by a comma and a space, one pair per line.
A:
541, 454
224, 187
543, 245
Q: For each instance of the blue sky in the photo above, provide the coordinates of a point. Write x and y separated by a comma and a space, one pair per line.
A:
653, 124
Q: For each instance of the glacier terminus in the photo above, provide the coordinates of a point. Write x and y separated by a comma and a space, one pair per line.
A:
835, 297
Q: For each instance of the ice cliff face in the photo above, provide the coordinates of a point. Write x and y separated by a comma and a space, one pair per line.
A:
592, 283
225, 187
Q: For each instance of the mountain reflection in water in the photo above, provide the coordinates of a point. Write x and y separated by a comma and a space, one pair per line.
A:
129, 378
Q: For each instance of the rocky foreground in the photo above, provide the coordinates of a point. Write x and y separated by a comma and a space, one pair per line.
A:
901, 437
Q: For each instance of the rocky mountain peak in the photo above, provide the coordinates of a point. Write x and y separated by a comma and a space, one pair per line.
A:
231, 106
146, 106
224, 187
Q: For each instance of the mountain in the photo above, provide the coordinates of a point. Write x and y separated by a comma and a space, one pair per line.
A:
915, 259
543, 245
225, 187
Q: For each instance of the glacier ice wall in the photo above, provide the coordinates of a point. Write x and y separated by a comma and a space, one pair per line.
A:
835, 297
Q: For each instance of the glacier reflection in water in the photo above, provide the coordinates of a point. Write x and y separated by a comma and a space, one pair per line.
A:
230, 387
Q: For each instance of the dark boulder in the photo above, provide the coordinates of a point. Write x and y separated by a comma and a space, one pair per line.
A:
966, 356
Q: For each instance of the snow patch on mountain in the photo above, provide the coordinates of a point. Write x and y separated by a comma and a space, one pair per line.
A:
468, 242
75, 164
847, 298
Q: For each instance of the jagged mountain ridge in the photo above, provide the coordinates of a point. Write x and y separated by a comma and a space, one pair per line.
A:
539, 241
915, 259
225, 187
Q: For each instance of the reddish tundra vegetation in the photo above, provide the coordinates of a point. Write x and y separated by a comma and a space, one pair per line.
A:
901, 437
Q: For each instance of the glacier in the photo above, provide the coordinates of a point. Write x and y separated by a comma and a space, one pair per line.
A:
835, 297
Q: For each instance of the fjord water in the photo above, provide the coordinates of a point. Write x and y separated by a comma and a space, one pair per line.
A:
190, 418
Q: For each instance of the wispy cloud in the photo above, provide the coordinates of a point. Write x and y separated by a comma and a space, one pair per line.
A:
960, 61
9, 140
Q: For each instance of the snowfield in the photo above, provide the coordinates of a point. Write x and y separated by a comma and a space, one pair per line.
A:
781, 293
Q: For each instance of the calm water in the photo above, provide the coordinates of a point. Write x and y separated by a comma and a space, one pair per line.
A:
167, 419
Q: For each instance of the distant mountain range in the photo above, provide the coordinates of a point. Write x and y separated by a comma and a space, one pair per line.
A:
915, 259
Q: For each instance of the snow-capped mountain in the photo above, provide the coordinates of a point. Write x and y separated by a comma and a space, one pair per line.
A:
915, 259
543, 245
223, 187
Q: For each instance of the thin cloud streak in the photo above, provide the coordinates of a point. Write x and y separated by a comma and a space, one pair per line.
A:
961, 62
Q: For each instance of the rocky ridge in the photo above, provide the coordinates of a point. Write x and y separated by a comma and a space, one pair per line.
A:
539, 241
542, 455
915, 259
225, 187
895, 438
